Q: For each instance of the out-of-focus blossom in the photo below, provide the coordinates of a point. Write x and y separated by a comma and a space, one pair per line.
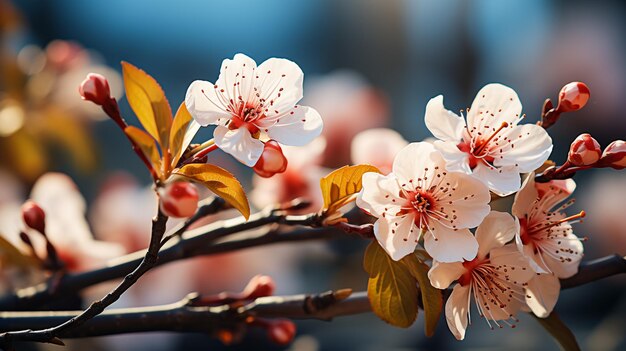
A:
272, 161
573, 96
250, 104
495, 278
348, 105
65, 225
178, 199
377, 147
546, 239
491, 146
33, 216
584, 151
300, 179
420, 198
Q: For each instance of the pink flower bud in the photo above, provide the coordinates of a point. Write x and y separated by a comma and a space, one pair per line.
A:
614, 155
34, 216
573, 97
281, 331
95, 88
179, 199
272, 160
259, 286
584, 151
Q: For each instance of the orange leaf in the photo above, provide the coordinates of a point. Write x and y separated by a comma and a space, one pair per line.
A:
149, 103
177, 134
341, 185
219, 181
147, 145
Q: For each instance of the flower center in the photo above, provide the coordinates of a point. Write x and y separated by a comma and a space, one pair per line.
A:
470, 269
245, 116
480, 150
529, 233
422, 201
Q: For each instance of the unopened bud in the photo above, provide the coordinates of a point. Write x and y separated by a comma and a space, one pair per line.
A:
614, 155
259, 286
281, 331
272, 160
95, 88
179, 199
34, 216
573, 97
584, 151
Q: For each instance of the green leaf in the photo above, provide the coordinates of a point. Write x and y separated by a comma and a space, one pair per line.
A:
340, 186
149, 103
177, 134
432, 300
559, 331
391, 288
219, 181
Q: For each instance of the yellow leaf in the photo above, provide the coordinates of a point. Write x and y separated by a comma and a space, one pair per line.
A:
149, 103
12, 256
391, 288
147, 145
432, 300
559, 331
219, 181
340, 186
177, 134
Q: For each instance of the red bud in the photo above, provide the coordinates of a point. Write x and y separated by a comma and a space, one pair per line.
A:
34, 216
584, 151
281, 331
272, 160
573, 97
614, 155
259, 286
179, 199
95, 88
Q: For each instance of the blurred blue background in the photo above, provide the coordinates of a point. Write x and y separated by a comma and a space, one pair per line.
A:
410, 51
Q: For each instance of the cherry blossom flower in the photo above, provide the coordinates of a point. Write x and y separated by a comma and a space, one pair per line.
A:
250, 104
420, 198
495, 278
377, 147
491, 145
546, 239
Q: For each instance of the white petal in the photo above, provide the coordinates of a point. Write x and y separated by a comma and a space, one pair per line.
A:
444, 124
239, 143
570, 248
456, 160
417, 160
441, 275
502, 181
457, 309
397, 235
497, 229
496, 99
555, 191
237, 79
450, 245
543, 293
280, 84
525, 197
532, 147
377, 147
534, 260
467, 204
203, 103
512, 264
297, 127
380, 194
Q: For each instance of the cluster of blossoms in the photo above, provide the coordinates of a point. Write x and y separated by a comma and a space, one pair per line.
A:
435, 193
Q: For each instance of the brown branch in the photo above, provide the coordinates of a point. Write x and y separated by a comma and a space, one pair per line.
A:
184, 316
